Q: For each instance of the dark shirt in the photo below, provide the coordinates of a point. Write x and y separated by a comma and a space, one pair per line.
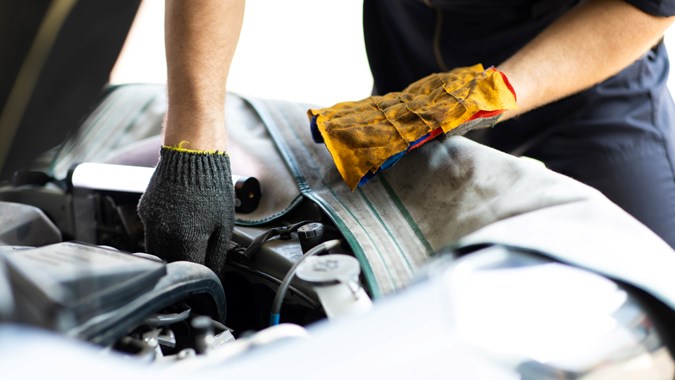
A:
409, 39
400, 34
617, 136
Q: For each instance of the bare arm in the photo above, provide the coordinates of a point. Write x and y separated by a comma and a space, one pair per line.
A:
587, 45
201, 37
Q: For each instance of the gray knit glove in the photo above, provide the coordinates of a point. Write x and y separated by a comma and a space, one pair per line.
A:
188, 207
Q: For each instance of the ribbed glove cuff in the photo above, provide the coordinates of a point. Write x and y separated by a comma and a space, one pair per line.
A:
198, 171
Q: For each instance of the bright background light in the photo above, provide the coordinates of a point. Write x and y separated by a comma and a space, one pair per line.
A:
300, 50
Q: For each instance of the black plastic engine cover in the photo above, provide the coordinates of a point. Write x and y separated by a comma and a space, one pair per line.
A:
99, 294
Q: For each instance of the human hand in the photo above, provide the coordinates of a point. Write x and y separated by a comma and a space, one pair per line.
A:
370, 135
188, 207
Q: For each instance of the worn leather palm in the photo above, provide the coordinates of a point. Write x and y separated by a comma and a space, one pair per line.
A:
372, 134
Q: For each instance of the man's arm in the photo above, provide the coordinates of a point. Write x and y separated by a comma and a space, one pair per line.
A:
201, 36
587, 45
188, 208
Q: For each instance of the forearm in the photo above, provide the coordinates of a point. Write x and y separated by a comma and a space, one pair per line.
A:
587, 45
201, 37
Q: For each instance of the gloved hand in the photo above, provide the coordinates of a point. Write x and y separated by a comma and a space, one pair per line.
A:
188, 207
370, 135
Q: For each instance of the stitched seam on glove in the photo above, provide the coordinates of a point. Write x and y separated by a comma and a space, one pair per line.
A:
181, 148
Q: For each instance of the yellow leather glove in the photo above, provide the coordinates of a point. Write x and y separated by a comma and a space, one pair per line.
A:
370, 135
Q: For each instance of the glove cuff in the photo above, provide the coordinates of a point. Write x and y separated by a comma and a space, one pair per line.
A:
197, 170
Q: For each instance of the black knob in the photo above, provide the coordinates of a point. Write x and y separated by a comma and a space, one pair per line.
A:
310, 235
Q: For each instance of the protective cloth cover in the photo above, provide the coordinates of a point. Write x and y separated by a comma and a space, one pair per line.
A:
458, 192
448, 192
372, 134
124, 129
124, 116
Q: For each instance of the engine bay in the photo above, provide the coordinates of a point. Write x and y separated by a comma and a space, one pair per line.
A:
87, 276
313, 268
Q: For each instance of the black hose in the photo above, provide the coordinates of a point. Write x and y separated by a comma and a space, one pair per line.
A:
283, 287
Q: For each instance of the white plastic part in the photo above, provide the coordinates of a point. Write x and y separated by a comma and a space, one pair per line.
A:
336, 282
123, 178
